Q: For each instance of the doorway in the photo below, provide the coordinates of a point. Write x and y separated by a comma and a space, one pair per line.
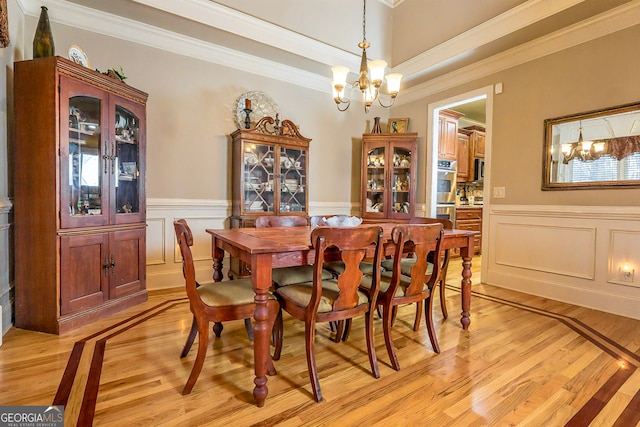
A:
476, 109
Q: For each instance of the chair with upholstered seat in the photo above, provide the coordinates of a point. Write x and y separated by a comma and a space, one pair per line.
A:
338, 299
213, 302
397, 288
407, 263
288, 275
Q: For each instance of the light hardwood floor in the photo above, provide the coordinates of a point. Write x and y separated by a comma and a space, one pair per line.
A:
525, 361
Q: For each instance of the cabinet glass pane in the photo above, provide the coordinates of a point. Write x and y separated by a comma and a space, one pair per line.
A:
127, 159
401, 180
293, 180
375, 179
85, 165
258, 184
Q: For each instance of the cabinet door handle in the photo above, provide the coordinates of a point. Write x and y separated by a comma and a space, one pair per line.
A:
113, 264
105, 156
105, 266
113, 157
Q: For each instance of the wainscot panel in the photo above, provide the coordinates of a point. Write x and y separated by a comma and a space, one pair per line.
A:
568, 253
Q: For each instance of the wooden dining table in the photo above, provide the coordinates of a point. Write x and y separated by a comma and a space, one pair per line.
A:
266, 248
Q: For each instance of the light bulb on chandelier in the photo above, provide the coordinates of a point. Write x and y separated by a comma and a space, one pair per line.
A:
370, 79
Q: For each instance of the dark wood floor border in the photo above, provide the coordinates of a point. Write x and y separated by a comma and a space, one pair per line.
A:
584, 416
87, 409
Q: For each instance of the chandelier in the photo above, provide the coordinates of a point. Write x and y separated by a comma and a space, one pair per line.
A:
583, 150
369, 82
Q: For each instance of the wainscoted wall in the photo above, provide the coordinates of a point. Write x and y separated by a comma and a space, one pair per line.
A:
573, 254
6, 298
164, 264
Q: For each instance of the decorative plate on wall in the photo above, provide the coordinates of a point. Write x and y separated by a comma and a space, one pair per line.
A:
78, 56
261, 105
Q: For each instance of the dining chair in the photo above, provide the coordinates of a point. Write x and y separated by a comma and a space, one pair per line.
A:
213, 302
408, 262
288, 275
398, 288
335, 299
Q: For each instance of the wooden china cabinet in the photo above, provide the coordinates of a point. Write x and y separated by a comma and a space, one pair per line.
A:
389, 163
269, 175
79, 195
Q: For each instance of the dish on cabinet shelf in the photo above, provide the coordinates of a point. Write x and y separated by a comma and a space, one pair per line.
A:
250, 159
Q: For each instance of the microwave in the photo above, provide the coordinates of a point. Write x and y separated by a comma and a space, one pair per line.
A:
478, 171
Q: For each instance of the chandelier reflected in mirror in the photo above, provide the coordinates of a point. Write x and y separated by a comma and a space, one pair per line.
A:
583, 150
370, 79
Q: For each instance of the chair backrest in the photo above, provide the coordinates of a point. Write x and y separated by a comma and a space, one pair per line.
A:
281, 221
424, 239
185, 241
350, 245
446, 224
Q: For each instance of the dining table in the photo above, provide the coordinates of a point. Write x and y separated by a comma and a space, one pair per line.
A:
266, 248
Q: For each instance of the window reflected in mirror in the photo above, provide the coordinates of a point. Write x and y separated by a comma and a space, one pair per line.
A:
599, 149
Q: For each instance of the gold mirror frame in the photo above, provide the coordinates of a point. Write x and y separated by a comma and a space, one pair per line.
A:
612, 132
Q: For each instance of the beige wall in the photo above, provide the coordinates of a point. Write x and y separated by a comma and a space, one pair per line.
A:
597, 74
190, 118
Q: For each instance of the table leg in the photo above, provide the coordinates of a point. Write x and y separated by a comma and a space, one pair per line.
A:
261, 280
218, 255
466, 254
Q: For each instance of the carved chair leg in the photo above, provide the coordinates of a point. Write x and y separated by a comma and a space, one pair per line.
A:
339, 331
278, 335
443, 282
416, 322
309, 335
347, 329
273, 308
387, 324
371, 348
249, 327
203, 341
190, 338
428, 314
217, 329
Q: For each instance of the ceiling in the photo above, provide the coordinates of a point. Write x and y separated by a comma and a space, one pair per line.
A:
428, 41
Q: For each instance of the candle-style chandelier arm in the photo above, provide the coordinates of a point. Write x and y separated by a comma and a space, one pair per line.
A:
370, 78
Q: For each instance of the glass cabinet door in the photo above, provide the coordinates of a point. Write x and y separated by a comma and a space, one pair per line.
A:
258, 178
401, 180
293, 180
83, 178
127, 160
375, 177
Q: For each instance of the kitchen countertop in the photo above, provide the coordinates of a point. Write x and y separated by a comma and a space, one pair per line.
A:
476, 206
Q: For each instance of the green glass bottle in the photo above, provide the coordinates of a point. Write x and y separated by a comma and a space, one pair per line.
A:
43, 40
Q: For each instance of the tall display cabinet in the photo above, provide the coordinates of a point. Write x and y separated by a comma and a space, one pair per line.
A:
389, 163
269, 175
79, 195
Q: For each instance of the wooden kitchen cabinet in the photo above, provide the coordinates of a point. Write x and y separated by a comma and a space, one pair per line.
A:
389, 163
471, 142
464, 160
80, 212
448, 134
470, 218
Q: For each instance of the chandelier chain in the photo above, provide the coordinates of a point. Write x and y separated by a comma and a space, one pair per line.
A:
364, 21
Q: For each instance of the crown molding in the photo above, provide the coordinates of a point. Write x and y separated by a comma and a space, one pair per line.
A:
506, 23
222, 17
606, 23
91, 20
391, 3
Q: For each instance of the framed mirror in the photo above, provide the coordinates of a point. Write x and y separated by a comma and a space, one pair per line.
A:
597, 149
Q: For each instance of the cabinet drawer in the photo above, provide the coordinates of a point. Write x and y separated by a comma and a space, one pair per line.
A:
468, 214
469, 225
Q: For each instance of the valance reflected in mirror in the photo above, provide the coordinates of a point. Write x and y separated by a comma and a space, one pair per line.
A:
598, 149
